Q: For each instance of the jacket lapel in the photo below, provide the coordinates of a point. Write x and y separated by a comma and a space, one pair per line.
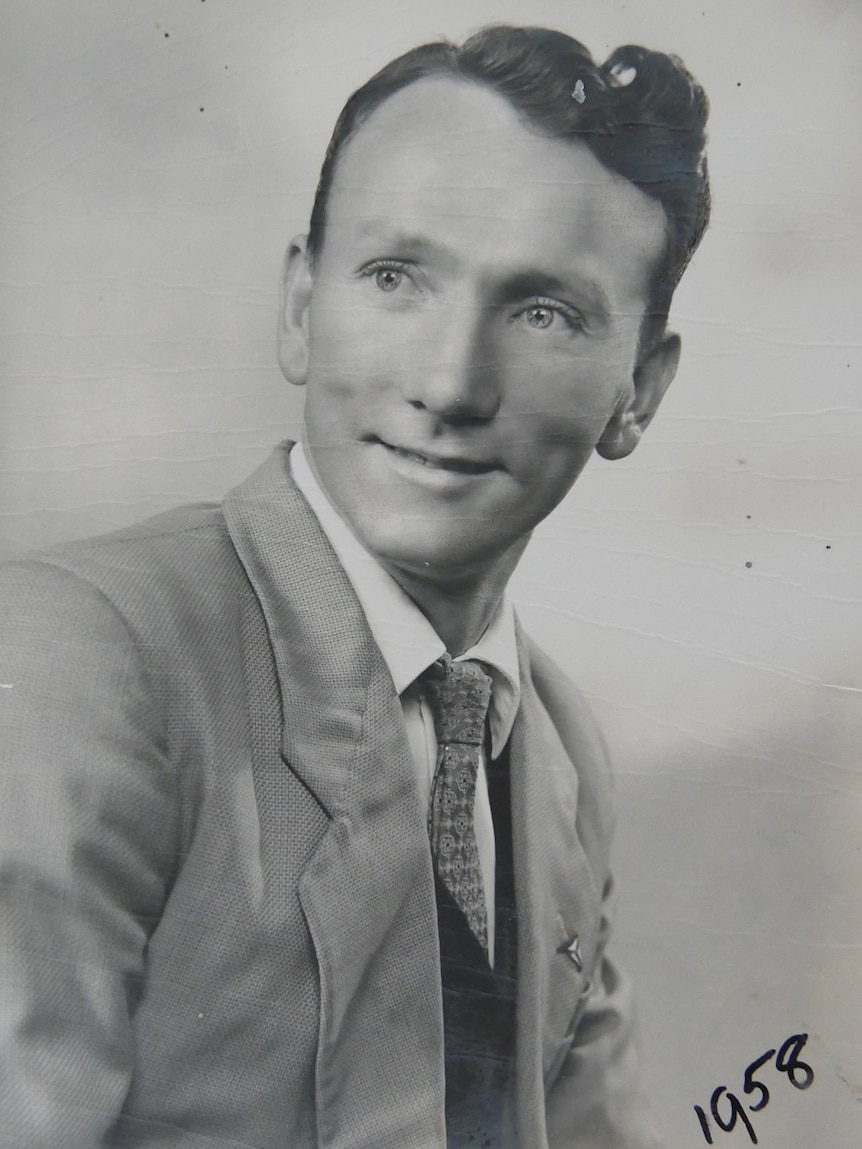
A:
557, 901
367, 892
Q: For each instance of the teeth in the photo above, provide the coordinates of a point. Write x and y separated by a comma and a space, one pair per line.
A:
411, 455
460, 465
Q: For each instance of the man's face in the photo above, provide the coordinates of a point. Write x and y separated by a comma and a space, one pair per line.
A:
470, 328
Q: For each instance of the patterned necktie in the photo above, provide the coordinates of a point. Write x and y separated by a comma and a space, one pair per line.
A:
459, 694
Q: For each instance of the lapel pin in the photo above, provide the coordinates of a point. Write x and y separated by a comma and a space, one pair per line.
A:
572, 948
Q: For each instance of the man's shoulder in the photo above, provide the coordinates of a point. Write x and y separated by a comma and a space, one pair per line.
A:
184, 545
567, 705
173, 575
572, 716
162, 533
186, 549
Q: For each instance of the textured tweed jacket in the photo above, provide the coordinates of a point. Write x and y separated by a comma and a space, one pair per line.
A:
218, 914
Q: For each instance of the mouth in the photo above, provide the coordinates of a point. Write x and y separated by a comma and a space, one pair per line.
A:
459, 464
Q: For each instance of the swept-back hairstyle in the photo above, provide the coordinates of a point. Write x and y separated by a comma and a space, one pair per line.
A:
641, 113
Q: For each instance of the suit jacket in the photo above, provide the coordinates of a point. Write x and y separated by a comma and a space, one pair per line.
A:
218, 924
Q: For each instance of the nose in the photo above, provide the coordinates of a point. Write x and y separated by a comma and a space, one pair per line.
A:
453, 373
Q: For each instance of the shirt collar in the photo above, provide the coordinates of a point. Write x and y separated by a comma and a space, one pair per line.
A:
407, 641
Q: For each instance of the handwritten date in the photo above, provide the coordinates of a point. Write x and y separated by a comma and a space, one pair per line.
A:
787, 1061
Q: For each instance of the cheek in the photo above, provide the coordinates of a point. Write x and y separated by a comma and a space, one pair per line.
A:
569, 386
568, 416
551, 431
353, 356
544, 456
334, 335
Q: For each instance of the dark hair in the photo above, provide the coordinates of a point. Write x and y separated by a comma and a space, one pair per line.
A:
641, 113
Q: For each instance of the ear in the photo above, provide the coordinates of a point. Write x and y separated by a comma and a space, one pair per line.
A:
296, 287
652, 377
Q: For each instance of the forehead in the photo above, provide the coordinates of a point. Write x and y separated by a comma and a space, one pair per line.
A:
451, 162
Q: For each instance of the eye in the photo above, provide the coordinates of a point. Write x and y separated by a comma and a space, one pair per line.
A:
539, 317
387, 278
389, 275
542, 314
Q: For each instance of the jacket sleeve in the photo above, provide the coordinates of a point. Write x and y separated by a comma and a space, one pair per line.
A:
596, 1101
87, 846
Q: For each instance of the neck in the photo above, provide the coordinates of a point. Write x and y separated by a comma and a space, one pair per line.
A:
459, 603
460, 608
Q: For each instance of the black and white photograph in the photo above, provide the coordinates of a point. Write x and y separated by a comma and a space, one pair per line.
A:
430, 574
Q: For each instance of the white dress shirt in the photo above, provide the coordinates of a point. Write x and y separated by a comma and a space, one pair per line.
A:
409, 645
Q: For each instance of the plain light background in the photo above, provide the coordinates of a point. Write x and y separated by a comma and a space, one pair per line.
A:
158, 156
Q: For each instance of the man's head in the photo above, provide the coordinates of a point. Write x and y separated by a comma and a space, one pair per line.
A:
482, 296
641, 113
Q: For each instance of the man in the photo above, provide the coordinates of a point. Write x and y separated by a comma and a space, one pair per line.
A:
229, 732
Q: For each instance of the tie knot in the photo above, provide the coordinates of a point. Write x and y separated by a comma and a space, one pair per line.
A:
459, 694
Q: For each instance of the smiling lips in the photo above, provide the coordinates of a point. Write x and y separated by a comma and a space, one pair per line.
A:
457, 464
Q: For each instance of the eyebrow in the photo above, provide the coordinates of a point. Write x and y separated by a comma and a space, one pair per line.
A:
403, 243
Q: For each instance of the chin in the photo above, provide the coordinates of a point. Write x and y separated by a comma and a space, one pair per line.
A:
445, 556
